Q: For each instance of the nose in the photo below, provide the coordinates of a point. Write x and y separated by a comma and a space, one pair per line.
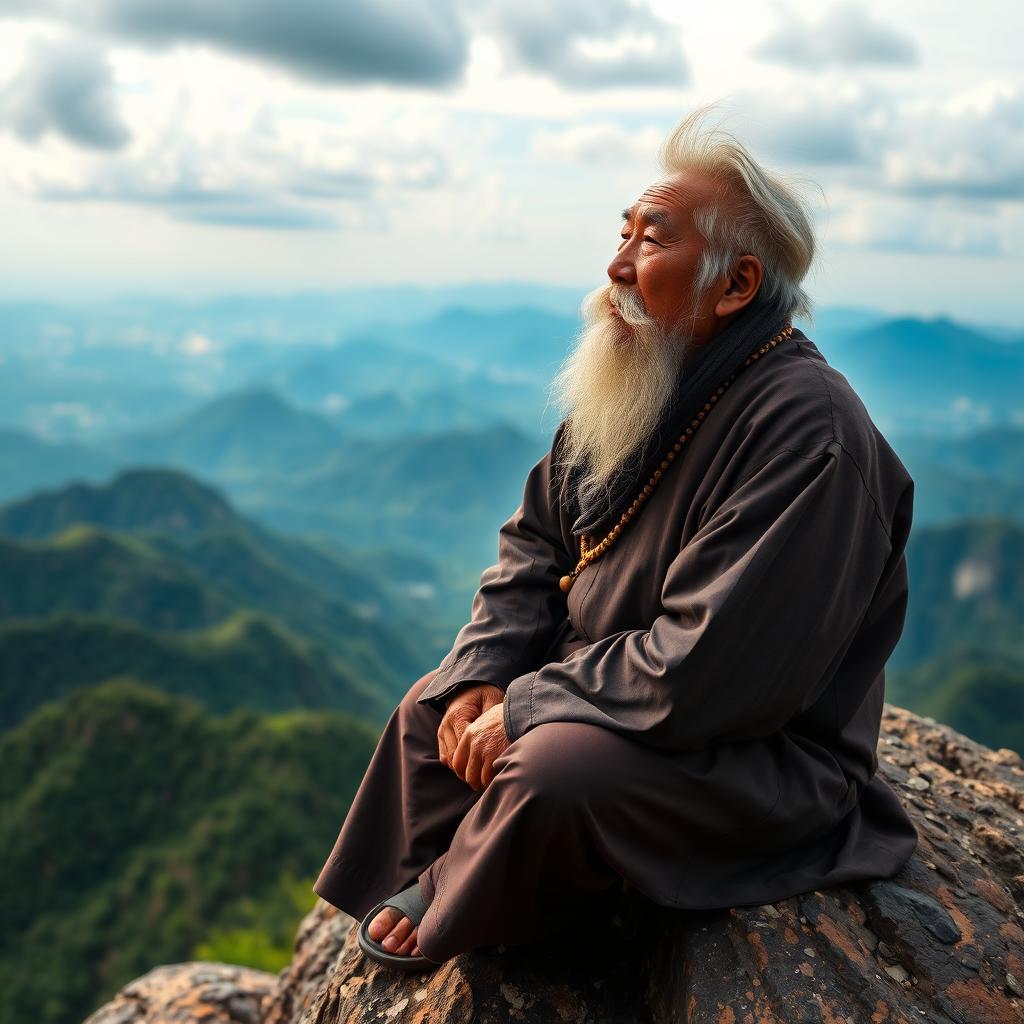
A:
621, 269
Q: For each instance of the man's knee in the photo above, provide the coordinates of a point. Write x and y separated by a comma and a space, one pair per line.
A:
561, 762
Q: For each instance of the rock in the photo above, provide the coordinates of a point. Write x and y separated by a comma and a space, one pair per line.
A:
195, 991
942, 942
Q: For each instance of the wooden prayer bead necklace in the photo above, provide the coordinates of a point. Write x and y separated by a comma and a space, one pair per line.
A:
590, 554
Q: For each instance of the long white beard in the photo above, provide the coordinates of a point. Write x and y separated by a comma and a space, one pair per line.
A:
614, 385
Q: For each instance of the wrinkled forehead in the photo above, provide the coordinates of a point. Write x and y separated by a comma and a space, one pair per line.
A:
679, 193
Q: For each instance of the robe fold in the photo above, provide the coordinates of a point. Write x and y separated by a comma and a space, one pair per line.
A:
742, 618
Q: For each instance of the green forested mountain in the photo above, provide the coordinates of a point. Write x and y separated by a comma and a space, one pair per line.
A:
151, 498
966, 592
961, 656
181, 557
84, 568
979, 693
246, 660
134, 827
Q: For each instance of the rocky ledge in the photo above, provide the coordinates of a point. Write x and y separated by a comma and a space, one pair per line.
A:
942, 941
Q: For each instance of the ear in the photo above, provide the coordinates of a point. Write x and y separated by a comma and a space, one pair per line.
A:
743, 283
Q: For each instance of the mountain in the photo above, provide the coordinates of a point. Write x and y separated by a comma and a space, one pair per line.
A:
361, 366
979, 693
388, 415
132, 823
28, 463
966, 593
920, 376
523, 341
159, 499
246, 660
995, 453
87, 569
161, 549
376, 388
444, 495
243, 434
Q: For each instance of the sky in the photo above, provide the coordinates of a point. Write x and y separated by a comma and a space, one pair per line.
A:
187, 148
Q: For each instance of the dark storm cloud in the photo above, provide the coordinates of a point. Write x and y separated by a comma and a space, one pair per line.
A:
65, 87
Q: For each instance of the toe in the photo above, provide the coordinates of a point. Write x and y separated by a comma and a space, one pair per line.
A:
407, 947
383, 923
394, 940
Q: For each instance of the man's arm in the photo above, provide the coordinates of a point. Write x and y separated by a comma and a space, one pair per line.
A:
760, 607
518, 607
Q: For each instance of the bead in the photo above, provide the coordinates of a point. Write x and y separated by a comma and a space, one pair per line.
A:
565, 584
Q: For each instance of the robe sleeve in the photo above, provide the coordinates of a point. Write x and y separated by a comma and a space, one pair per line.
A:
760, 606
518, 608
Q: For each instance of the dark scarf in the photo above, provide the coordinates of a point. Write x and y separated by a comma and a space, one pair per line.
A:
758, 322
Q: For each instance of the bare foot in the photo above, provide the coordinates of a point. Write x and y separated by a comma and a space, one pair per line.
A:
395, 932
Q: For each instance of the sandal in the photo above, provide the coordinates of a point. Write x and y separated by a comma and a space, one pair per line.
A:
410, 903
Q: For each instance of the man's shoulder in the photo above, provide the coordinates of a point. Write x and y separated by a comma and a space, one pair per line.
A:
795, 398
799, 402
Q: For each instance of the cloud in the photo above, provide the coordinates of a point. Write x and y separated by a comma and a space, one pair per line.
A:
891, 225
597, 142
65, 86
847, 34
809, 129
589, 44
581, 44
259, 176
411, 42
969, 148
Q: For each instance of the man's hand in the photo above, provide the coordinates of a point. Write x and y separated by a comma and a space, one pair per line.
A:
465, 707
482, 741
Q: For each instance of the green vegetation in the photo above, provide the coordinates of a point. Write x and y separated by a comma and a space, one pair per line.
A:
135, 829
261, 933
980, 694
247, 660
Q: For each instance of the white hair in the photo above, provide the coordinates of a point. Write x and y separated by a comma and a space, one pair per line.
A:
760, 213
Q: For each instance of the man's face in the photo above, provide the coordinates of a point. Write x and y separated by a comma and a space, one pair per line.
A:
658, 256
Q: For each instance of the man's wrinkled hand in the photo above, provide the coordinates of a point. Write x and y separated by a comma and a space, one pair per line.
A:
462, 710
482, 741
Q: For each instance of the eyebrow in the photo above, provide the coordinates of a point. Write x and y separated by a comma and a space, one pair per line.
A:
660, 217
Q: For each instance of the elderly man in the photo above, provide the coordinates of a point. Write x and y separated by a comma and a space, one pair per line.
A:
673, 676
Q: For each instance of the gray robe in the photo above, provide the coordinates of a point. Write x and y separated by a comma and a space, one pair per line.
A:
741, 623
